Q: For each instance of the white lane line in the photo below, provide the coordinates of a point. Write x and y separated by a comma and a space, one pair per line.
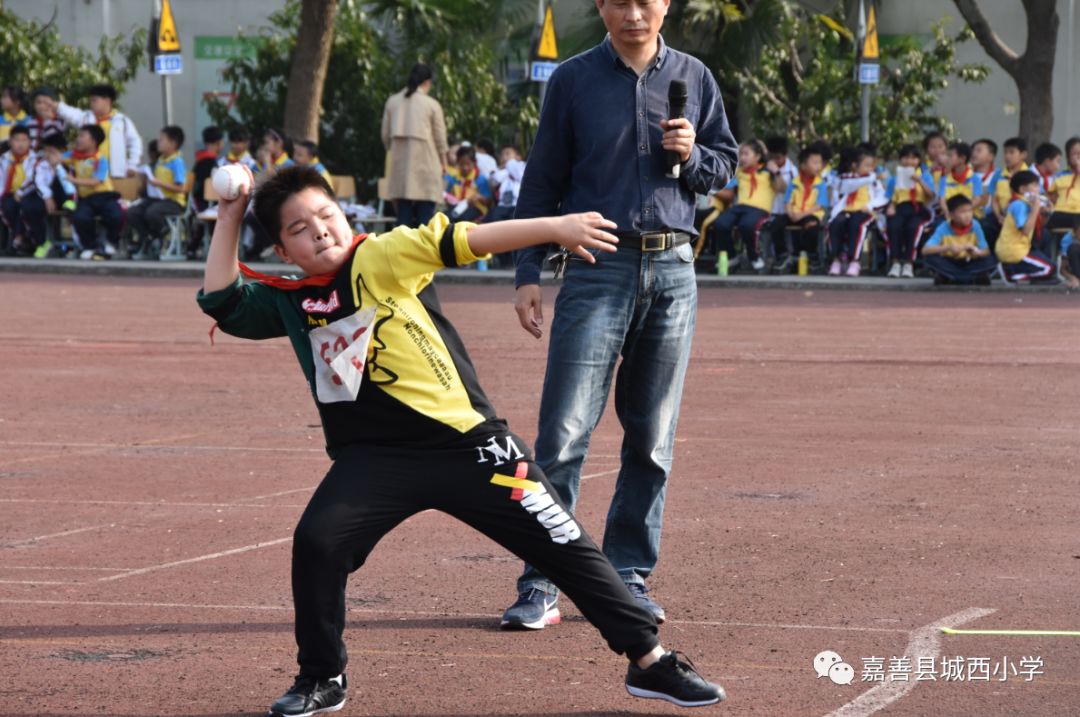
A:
38, 538
926, 643
62, 567
159, 503
393, 611
601, 473
188, 561
275, 495
36, 582
151, 446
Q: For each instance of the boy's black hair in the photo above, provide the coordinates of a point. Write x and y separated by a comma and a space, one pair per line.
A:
911, 150
16, 94
466, 151
824, 148
868, 148
777, 145
1021, 179
956, 201
175, 134
807, 152
1018, 143
95, 132
276, 190
486, 145
311, 147
212, 134
152, 148
931, 136
1072, 142
19, 129
990, 144
1045, 151
851, 157
106, 91
279, 135
55, 140
963, 149
239, 133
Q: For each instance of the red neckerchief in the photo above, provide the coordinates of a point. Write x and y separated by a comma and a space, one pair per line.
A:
10, 178
280, 282
1047, 180
852, 196
960, 231
962, 178
205, 154
78, 156
753, 178
808, 186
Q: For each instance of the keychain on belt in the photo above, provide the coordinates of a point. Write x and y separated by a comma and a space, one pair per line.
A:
559, 260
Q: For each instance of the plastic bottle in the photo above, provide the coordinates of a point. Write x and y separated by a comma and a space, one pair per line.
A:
481, 265
804, 263
722, 264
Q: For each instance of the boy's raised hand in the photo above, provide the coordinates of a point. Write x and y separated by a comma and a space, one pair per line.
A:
233, 210
581, 232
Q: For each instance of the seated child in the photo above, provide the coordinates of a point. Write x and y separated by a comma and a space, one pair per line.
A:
170, 178
1020, 261
983, 156
468, 192
1016, 153
908, 213
960, 179
753, 190
1065, 191
958, 253
398, 396
806, 201
1070, 270
239, 150
49, 191
13, 114
306, 154
97, 197
859, 195
16, 178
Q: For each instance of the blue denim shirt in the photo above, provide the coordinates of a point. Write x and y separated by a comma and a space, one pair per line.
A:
598, 147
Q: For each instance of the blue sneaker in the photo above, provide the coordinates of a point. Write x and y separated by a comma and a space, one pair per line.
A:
534, 610
641, 595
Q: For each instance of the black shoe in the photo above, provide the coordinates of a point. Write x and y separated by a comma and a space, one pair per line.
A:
785, 266
533, 610
311, 696
675, 680
641, 597
983, 279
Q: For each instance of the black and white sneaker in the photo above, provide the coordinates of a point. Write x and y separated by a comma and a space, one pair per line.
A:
533, 610
675, 679
310, 696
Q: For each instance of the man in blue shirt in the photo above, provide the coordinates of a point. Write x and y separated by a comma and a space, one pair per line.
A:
602, 145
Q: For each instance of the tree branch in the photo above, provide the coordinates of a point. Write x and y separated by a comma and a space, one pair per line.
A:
994, 45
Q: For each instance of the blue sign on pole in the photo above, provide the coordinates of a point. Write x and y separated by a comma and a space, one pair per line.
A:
869, 73
541, 71
168, 64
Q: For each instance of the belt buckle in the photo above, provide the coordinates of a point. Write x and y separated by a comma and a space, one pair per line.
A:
655, 241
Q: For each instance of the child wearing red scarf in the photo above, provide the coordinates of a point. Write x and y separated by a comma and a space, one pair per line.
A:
958, 252
909, 212
754, 191
15, 173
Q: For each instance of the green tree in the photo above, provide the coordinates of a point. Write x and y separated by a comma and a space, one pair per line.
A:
803, 86
32, 55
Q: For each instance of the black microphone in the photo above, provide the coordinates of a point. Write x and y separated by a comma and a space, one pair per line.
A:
676, 97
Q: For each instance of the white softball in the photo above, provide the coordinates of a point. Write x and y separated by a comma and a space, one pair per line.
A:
229, 180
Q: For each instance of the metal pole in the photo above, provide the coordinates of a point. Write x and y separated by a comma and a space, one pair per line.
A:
865, 128
1070, 68
166, 84
540, 23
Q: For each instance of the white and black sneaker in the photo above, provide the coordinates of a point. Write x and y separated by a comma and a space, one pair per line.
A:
675, 679
310, 696
533, 610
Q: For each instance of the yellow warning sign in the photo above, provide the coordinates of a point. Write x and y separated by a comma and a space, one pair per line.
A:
168, 39
870, 44
548, 48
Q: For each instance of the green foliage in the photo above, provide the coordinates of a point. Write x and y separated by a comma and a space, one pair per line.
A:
32, 55
375, 45
803, 85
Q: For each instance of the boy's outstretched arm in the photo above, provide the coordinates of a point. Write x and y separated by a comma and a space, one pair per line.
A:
576, 232
222, 264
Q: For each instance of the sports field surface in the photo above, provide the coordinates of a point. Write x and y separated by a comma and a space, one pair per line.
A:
853, 471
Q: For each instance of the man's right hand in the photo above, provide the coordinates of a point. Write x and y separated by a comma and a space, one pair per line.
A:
529, 306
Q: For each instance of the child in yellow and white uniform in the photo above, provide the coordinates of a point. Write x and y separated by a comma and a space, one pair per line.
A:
754, 191
148, 217
958, 252
909, 212
1016, 153
1020, 260
859, 195
1065, 191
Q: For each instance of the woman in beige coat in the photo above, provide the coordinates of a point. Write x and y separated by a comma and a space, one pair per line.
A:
414, 134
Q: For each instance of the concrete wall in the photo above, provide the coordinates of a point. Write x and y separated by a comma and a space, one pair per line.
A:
992, 109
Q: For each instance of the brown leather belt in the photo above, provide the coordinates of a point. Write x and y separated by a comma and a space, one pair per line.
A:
653, 241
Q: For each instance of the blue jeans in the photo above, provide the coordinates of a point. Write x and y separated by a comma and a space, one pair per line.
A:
641, 306
413, 213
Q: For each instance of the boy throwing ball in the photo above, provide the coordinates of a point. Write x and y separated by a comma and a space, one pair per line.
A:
406, 422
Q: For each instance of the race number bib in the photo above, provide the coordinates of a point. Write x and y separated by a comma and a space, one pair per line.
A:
340, 351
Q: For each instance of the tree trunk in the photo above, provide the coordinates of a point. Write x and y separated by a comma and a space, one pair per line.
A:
1033, 72
303, 99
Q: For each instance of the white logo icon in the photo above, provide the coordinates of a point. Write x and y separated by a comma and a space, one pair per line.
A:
830, 664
